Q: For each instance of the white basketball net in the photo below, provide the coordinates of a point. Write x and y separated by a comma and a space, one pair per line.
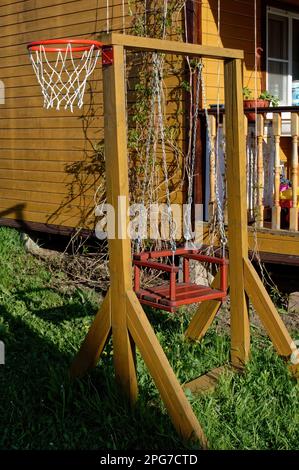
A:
63, 81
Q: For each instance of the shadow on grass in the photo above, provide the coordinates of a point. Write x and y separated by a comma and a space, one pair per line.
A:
42, 409
78, 307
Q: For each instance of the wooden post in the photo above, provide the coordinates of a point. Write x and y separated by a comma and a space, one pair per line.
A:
120, 263
237, 210
260, 172
294, 171
276, 209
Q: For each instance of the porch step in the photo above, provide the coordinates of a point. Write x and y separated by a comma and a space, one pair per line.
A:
278, 258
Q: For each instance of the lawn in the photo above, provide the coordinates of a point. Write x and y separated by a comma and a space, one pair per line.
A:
42, 324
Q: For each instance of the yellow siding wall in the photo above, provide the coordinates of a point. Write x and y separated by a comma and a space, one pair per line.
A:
236, 26
51, 161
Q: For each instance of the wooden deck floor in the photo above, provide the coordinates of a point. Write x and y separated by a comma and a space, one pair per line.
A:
273, 246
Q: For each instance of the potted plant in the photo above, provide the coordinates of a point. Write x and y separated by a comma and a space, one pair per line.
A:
264, 100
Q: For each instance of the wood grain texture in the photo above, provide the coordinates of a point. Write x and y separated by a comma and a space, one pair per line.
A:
170, 47
205, 383
236, 31
237, 210
120, 264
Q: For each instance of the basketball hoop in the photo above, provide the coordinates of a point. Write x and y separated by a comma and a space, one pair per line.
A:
62, 71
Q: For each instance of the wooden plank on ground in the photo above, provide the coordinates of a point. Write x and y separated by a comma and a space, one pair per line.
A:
207, 382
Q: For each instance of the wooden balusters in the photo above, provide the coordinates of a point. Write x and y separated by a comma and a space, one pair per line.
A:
249, 176
225, 216
276, 209
260, 172
257, 172
213, 133
245, 126
294, 171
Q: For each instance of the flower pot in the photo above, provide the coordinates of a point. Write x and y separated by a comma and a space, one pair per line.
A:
255, 104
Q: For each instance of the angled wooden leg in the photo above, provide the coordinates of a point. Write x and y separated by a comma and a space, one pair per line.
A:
204, 315
269, 316
171, 392
202, 319
123, 349
95, 340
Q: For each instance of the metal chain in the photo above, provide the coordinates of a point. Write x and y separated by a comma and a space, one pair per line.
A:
219, 213
152, 137
190, 166
158, 62
146, 162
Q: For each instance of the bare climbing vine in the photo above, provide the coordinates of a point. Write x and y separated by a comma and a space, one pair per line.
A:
158, 148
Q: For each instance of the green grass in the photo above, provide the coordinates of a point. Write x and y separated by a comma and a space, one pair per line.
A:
42, 327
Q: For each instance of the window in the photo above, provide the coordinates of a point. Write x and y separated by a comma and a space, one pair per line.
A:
282, 54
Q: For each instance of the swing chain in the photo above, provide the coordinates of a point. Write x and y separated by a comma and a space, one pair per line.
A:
158, 62
218, 216
190, 165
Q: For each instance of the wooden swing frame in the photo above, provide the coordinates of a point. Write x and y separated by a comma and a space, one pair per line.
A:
121, 313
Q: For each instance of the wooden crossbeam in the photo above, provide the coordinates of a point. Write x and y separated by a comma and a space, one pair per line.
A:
170, 47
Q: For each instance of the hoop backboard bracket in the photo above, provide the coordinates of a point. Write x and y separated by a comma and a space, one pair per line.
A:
107, 55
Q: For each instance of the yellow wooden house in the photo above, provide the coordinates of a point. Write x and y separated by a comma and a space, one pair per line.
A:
51, 163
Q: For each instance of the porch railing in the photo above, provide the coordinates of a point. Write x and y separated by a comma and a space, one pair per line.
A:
272, 165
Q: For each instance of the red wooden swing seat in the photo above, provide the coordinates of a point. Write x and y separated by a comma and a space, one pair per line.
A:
173, 294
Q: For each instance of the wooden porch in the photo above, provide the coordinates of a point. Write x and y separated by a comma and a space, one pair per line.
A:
272, 179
